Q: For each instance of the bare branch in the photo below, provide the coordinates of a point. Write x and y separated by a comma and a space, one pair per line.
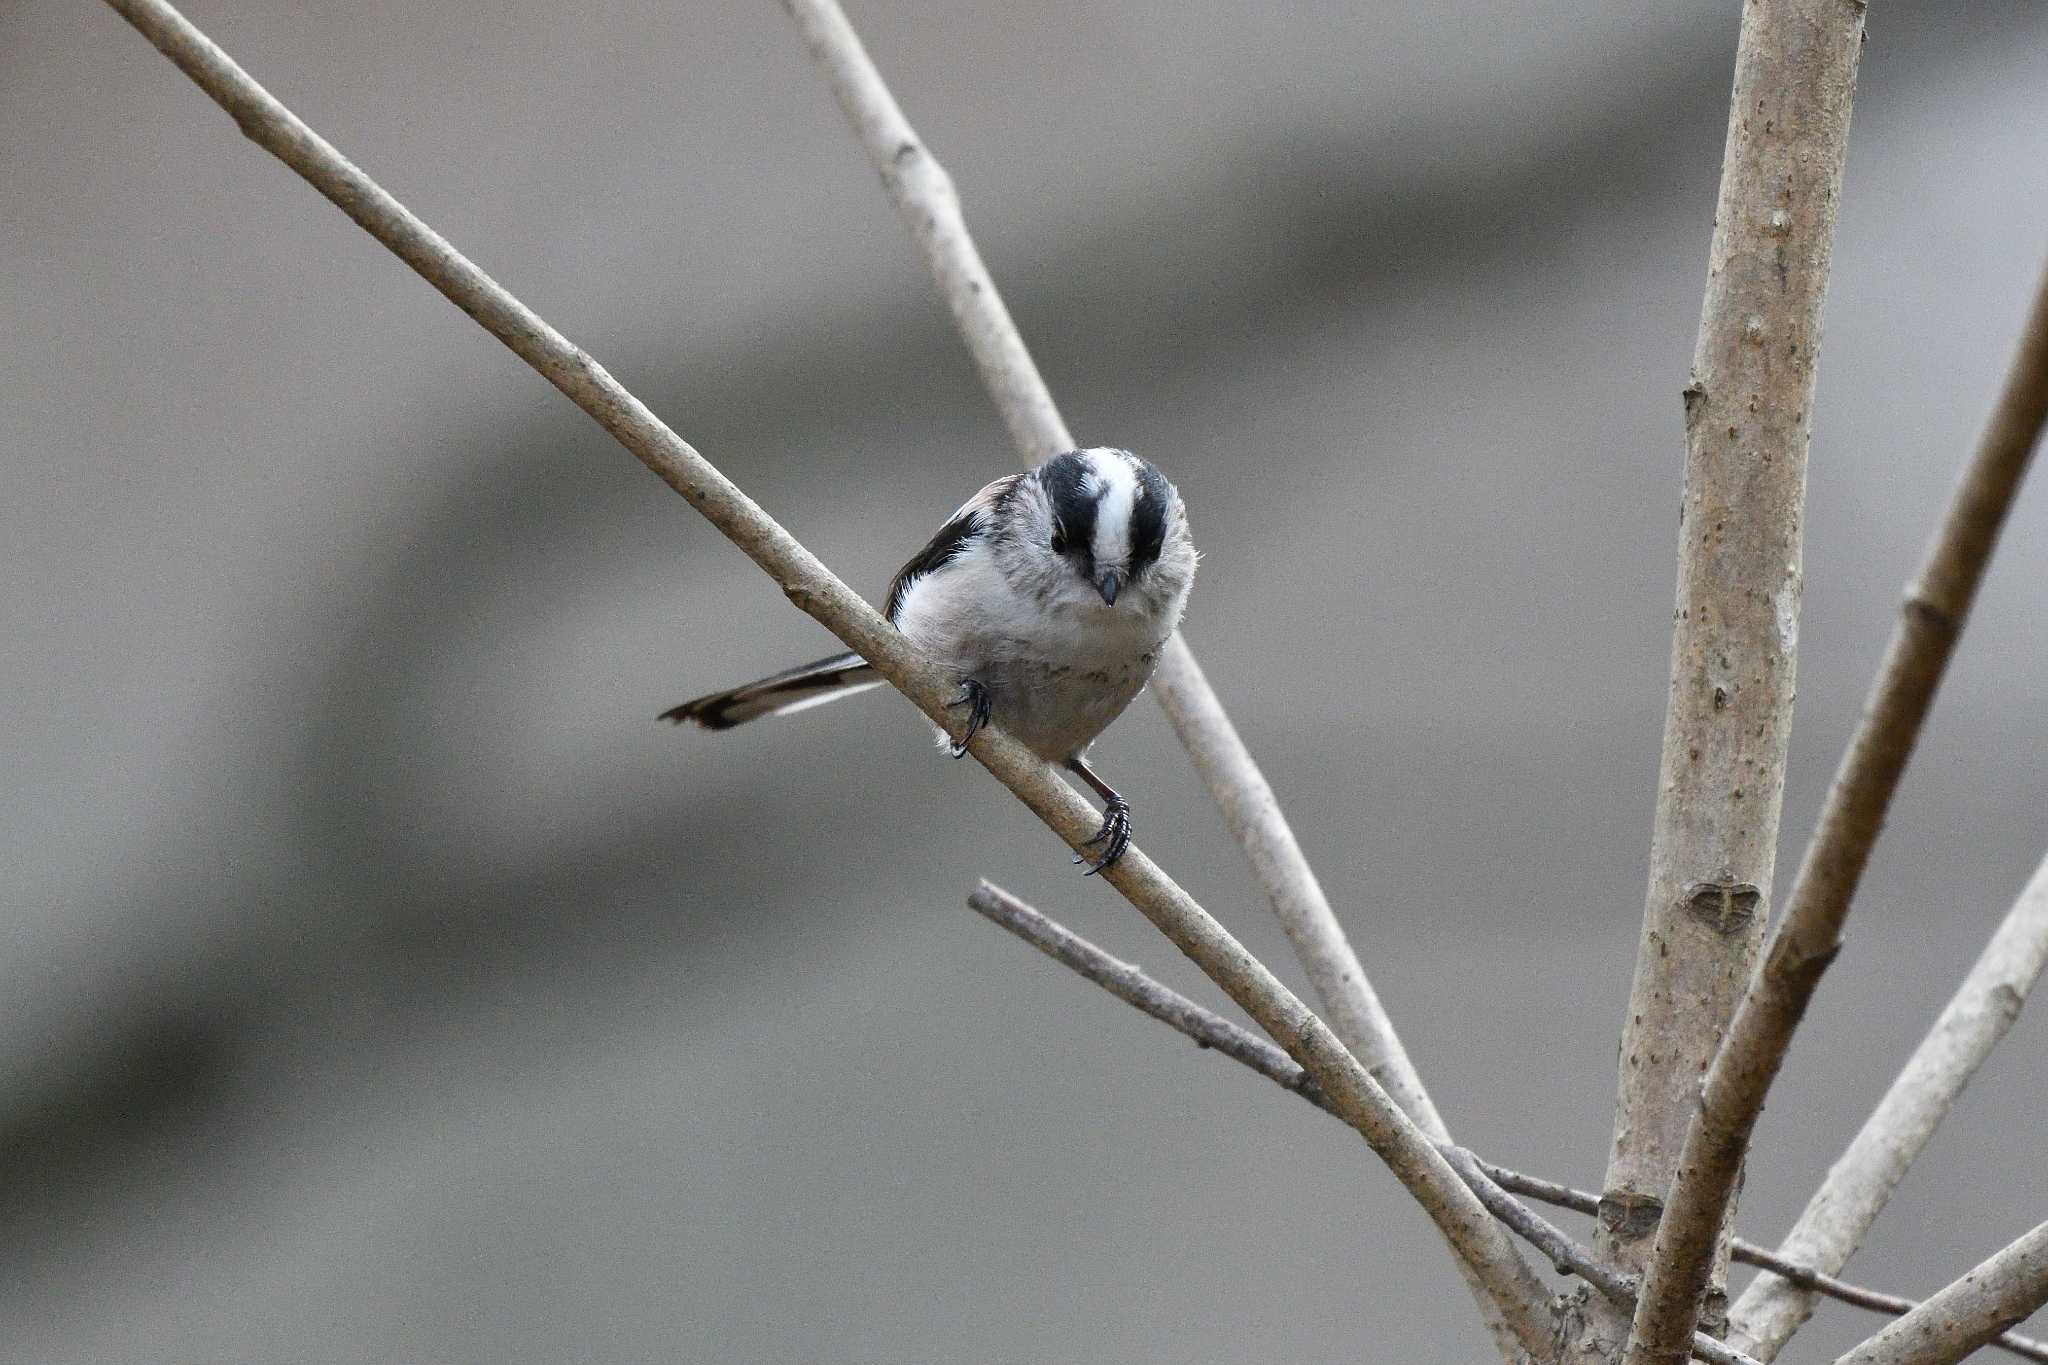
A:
925, 198
1129, 983
1859, 1184
929, 205
1811, 931
1967, 1314
1568, 1256
814, 589
1749, 1253
1240, 1044
1253, 815
1211, 1030
1734, 642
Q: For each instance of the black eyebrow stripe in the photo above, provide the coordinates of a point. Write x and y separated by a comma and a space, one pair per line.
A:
1148, 517
1065, 479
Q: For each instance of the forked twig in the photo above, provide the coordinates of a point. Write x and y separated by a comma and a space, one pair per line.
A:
1568, 1256
1208, 1029
1861, 1182
1810, 933
813, 588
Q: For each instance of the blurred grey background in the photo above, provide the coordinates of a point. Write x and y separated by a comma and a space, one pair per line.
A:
383, 984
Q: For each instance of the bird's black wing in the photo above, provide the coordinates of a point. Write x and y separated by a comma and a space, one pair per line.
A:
952, 539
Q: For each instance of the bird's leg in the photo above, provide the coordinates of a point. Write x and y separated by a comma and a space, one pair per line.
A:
1115, 834
975, 698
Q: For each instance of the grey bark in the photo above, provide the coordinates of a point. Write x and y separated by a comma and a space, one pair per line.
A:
1810, 933
1734, 650
1967, 1314
1208, 1029
1857, 1187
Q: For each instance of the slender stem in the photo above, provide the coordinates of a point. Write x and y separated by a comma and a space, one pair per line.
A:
1968, 1313
813, 588
1811, 931
1211, 1030
1859, 1184
1253, 815
925, 197
1568, 1256
1748, 412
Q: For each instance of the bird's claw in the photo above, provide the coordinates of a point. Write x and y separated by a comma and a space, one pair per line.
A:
1114, 836
975, 697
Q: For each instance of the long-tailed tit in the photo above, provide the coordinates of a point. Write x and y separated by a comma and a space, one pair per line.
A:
1049, 595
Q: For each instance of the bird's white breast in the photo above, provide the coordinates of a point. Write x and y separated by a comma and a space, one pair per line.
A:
1060, 664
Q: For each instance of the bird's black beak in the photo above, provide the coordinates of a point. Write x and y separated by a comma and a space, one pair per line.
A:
1108, 583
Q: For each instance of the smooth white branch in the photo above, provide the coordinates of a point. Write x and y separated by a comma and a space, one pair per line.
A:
928, 202
1858, 1186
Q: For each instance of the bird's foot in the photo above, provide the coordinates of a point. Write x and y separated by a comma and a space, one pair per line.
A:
1114, 836
975, 698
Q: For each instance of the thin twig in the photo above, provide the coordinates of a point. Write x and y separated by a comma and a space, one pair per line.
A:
1735, 628
1568, 1256
924, 196
1750, 1253
1859, 1184
1810, 933
1208, 1029
814, 589
927, 201
1211, 1030
1970, 1312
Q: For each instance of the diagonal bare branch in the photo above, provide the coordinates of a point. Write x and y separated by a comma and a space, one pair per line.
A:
1734, 642
928, 203
1749, 1253
1861, 1182
1970, 1312
924, 196
1211, 1030
814, 589
1568, 1256
1811, 932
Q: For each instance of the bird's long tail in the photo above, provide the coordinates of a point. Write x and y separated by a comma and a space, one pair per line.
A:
842, 675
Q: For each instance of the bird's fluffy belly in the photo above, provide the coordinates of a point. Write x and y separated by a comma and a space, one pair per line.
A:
1057, 675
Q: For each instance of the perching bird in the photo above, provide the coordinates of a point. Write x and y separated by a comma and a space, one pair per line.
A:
1049, 595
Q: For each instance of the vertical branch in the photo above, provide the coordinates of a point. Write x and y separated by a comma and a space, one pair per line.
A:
1859, 1184
1734, 646
1805, 942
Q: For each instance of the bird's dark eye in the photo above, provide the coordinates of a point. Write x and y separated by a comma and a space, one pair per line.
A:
1059, 542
